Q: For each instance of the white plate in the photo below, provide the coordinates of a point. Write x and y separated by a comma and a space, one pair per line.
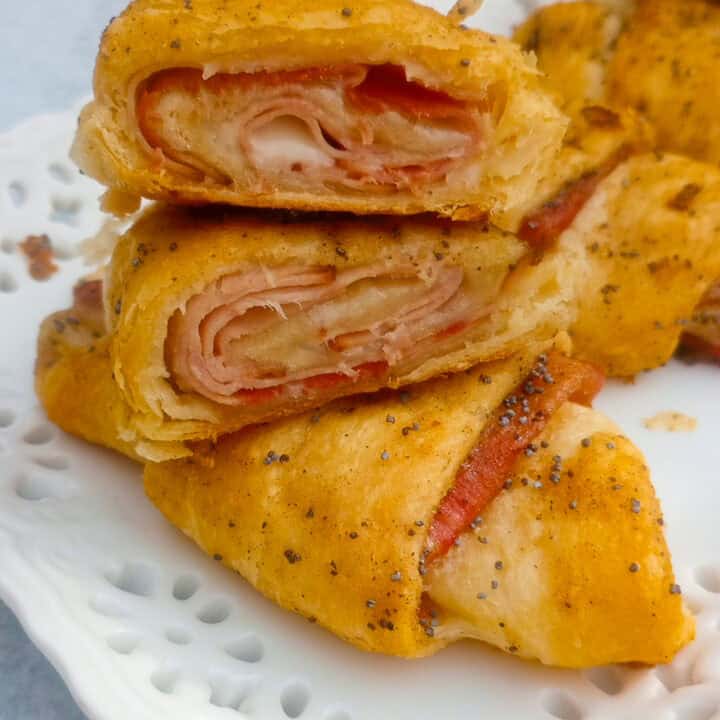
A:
141, 625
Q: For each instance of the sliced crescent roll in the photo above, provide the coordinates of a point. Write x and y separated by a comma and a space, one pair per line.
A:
220, 319
486, 505
382, 106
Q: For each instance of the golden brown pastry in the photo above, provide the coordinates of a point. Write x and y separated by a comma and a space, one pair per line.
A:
380, 106
218, 319
652, 228
567, 563
651, 225
656, 56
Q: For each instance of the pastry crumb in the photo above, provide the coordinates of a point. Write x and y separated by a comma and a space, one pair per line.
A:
671, 421
40, 256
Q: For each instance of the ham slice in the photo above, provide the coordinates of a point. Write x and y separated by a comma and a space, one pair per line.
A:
351, 126
263, 333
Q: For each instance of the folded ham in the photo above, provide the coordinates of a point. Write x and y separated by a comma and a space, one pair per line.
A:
263, 331
217, 319
388, 108
353, 126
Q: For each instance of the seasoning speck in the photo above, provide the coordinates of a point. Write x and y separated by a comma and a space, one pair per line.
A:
481, 596
342, 252
390, 419
371, 603
494, 584
346, 12
465, 62
634, 567
385, 455
675, 589
573, 505
683, 200
292, 557
419, 523
498, 565
353, 535
635, 505
585, 442
217, 557
396, 576
176, 44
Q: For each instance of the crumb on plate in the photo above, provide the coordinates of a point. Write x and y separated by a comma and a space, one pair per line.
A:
671, 421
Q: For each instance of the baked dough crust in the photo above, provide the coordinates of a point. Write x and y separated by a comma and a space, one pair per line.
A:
653, 234
216, 36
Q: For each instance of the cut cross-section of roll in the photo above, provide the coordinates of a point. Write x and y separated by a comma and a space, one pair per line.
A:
219, 319
384, 107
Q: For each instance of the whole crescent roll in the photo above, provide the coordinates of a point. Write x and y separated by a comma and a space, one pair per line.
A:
656, 56
487, 505
343, 516
651, 225
382, 106
217, 319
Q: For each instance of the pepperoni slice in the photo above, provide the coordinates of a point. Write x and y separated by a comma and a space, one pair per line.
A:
387, 87
543, 226
508, 433
331, 380
696, 347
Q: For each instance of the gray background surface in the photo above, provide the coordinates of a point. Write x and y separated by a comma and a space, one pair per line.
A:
47, 50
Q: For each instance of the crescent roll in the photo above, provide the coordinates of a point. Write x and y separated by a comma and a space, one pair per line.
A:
563, 560
383, 106
656, 56
218, 319
651, 226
